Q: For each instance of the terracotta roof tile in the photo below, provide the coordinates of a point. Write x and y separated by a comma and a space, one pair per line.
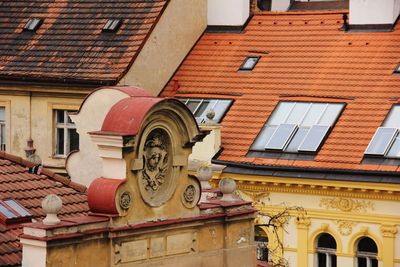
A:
70, 44
309, 58
29, 190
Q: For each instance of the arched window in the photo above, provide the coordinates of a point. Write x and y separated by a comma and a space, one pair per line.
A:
261, 240
367, 252
326, 251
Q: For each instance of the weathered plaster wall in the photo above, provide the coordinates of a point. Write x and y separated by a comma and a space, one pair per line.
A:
373, 12
180, 26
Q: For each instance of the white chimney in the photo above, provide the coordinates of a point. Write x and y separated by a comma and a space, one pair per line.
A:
373, 14
228, 12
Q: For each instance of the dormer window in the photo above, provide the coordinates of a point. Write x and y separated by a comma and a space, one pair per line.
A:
112, 25
249, 63
386, 140
33, 24
297, 127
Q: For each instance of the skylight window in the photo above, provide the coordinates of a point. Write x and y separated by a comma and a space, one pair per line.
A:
386, 140
297, 127
12, 212
112, 25
199, 107
397, 69
249, 63
33, 24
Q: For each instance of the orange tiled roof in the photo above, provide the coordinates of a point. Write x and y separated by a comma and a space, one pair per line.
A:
29, 190
70, 45
309, 59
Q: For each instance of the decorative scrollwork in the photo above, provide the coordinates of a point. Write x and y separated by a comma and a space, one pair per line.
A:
345, 227
346, 204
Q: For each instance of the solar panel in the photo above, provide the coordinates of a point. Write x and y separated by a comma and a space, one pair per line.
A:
281, 136
381, 141
314, 138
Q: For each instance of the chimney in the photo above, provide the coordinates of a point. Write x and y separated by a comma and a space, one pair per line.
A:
228, 13
373, 14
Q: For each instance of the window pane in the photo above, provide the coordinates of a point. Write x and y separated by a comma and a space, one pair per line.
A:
15, 206
374, 262
264, 137
381, 141
280, 113
331, 114
60, 142
6, 212
60, 116
2, 114
361, 262
297, 139
314, 138
192, 105
298, 113
393, 119
73, 140
281, 136
366, 244
326, 241
394, 151
321, 259
313, 115
220, 109
201, 111
333, 261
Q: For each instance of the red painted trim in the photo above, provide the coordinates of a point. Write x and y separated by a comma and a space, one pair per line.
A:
101, 195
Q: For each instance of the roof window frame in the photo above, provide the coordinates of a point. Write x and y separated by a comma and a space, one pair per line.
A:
33, 24
211, 104
243, 67
263, 138
392, 142
396, 70
112, 25
18, 217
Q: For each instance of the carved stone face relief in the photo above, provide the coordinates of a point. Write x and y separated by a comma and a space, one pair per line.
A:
155, 161
156, 181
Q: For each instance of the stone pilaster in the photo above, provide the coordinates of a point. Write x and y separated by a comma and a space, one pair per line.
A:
389, 233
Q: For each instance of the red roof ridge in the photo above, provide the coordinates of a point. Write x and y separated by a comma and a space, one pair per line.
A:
319, 12
57, 177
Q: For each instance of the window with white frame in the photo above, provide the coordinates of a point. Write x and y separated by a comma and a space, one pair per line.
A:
297, 127
326, 251
199, 107
386, 140
367, 251
66, 137
2, 129
261, 242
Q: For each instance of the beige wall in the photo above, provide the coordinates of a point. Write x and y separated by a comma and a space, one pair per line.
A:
32, 116
179, 28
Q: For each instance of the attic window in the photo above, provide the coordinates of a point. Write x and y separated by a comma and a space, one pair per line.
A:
13, 212
397, 69
33, 24
249, 63
112, 25
297, 127
199, 107
386, 140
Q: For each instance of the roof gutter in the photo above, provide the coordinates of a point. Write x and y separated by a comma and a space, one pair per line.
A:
301, 169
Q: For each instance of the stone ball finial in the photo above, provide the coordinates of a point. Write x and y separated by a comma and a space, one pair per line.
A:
227, 187
204, 174
51, 205
210, 114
